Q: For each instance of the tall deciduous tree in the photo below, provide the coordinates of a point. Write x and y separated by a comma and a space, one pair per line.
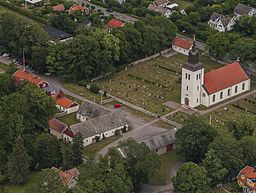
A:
248, 145
243, 126
18, 163
191, 178
141, 163
67, 155
214, 167
77, 149
229, 152
193, 139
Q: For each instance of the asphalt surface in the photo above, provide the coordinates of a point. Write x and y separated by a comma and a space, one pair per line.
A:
120, 16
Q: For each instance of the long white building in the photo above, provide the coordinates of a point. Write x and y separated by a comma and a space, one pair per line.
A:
200, 88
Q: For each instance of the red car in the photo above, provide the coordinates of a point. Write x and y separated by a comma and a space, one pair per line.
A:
117, 105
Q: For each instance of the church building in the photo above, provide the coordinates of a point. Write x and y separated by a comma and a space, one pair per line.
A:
200, 88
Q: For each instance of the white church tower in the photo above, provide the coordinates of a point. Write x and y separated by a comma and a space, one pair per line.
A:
192, 79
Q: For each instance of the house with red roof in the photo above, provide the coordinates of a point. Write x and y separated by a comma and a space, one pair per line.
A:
57, 127
21, 75
58, 8
114, 23
181, 45
68, 177
247, 179
200, 88
76, 7
64, 104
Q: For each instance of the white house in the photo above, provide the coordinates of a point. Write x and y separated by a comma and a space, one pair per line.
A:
64, 104
198, 87
160, 9
56, 127
244, 10
181, 45
33, 1
88, 110
98, 128
221, 22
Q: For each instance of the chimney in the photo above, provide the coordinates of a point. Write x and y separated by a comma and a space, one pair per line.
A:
61, 94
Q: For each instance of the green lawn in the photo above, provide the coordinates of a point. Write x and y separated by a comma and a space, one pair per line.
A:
178, 117
20, 189
69, 119
3, 66
162, 175
92, 149
183, 4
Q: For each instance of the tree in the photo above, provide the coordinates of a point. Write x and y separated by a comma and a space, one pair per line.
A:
18, 163
243, 126
67, 156
193, 139
49, 182
219, 45
47, 151
77, 149
248, 145
64, 23
229, 152
214, 167
141, 163
191, 178
38, 58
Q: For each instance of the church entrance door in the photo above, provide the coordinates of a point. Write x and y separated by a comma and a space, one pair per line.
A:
186, 101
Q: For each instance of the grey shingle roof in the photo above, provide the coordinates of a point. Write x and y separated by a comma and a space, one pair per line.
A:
92, 110
224, 20
161, 140
99, 125
242, 9
56, 34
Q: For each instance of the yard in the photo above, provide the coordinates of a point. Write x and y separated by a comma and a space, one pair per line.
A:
21, 189
162, 175
182, 3
69, 119
92, 149
151, 83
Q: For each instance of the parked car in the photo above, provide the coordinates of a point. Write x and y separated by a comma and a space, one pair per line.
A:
118, 105
109, 10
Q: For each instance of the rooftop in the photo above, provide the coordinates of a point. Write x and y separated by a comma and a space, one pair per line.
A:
56, 34
224, 19
183, 43
57, 125
224, 77
249, 173
59, 7
242, 9
23, 75
92, 110
114, 23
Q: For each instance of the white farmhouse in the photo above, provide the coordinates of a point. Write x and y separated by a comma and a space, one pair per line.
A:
221, 22
64, 104
181, 45
244, 10
198, 87
96, 129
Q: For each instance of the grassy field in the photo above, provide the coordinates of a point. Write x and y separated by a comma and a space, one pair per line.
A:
69, 119
178, 117
182, 3
92, 149
21, 189
162, 175
151, 83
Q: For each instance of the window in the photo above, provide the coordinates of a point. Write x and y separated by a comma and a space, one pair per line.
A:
197, 77
221, 95
236, 89
213, 98
197, 100
189, 76
228, 92
186, 76
243, 85
203, 94
187, 87
197, 87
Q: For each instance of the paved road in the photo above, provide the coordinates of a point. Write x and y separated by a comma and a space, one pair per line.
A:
120, 16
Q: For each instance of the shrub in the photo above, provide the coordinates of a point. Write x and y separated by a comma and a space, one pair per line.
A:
94, 89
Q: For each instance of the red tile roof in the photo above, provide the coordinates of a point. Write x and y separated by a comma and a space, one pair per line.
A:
183, 43
69, 133
64, 102
249, 173
21, 75
59, 7
68, 175
57, 125
114, 23
224, 77
77, 8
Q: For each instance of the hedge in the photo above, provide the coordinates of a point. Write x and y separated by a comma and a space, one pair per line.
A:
23, 12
